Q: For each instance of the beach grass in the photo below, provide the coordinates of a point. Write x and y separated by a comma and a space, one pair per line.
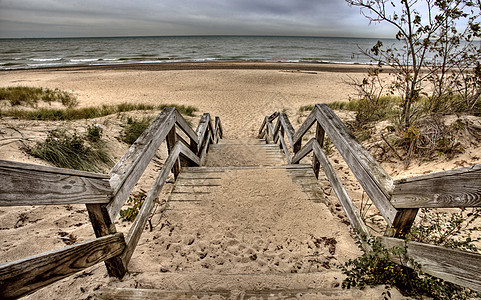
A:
69, 114
30, 96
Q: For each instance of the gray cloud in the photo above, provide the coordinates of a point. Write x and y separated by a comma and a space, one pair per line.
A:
40, 18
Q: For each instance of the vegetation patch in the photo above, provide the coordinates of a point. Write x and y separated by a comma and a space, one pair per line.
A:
135, 202
52, 114
72, 151
436, 228
134, 129
30, 96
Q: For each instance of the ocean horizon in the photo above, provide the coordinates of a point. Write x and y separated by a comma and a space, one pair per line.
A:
33, 53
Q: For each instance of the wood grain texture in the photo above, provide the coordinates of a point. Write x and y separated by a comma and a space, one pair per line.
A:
28, 184
373, 178
288, 129
201, 131
103, 226
320, 140
185, 127
284, 146
311, 118
303, 152
455, 266
454, 188
351, 212
128, 170
27, 275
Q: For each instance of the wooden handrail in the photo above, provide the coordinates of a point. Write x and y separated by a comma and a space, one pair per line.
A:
27, 275
104, 195
397, 201
28, 184
453, 188
459, 267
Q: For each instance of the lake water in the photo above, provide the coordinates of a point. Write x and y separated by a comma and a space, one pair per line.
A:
41, 53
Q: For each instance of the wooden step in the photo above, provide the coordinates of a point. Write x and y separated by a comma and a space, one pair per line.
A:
325, 285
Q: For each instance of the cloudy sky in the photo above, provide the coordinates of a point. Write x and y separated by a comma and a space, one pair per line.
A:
81, 18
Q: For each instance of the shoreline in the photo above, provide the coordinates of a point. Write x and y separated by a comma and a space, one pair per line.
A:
179, 66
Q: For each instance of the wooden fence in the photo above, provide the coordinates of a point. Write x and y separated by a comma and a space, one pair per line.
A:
398, 201
104, 196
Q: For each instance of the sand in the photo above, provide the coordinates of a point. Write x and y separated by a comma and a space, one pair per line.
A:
240, 94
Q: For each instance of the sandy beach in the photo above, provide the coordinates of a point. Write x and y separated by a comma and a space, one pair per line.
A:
241, 94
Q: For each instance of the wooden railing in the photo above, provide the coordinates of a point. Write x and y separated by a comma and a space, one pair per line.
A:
398, 201
104, 196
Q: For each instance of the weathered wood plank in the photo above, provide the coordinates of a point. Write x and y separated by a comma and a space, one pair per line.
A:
284, 147
103, 226
373, 178
261, 130
454, 188
305, 126
171, 141
28, 184
303, 152
185, 127
218, 130
276, 131
128, 170
320, 140
202, 130
455, 266
27, 275
351, 212
288, 129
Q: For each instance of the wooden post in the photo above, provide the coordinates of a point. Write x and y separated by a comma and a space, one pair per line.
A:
171, 141
320, 139
103, 225
403, 221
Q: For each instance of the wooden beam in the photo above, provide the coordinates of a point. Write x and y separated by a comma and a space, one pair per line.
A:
288, 129
284, 146
261, 130
454, 188
201, 131
373, 178
459, 267
305, 126
28, 184
103, 226
25, 276
351, 212
277, 129
303, 152
185, 127
171, 141
128, 170
320, 140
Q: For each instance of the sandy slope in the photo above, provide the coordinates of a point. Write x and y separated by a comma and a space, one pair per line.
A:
240, 97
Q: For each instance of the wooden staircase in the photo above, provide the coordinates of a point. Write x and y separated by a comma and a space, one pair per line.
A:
275, 235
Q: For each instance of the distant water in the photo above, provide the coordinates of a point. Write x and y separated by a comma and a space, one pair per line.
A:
41, 53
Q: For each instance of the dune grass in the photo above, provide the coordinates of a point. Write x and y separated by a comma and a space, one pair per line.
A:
134, 129
30, 96
73, 151
69, 114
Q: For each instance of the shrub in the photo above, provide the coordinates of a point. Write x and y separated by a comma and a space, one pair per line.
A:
136, 201
134, 129
71, 151
30, 96
437, 228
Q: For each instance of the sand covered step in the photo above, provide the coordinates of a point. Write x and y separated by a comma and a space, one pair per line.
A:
257, 221
246, 152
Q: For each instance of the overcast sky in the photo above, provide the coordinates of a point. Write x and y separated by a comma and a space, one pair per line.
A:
82, 18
